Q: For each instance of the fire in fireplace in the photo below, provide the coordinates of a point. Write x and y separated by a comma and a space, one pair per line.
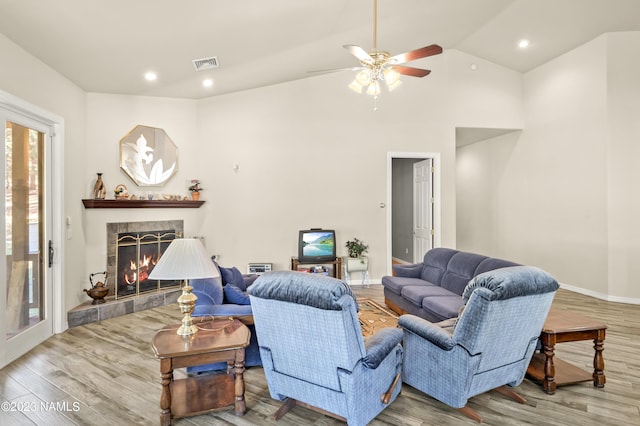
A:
136, 255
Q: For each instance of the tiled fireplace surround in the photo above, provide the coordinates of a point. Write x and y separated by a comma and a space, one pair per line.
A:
87, 313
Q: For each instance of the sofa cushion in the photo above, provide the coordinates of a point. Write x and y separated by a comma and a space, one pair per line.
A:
396, 284
443, 307
208, 290
233, 294
435, 264
490, 263
462, 267
416, 293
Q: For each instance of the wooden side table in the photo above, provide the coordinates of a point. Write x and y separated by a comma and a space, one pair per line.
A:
216, 340
336, 265
566, 326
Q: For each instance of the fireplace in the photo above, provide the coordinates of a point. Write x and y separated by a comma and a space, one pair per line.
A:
136, 255
133, 248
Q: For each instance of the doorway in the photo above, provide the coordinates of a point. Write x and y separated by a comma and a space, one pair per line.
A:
413, 201
27, 285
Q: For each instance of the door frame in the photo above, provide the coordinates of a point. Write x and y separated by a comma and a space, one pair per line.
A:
437, 237
55, 175
427, 205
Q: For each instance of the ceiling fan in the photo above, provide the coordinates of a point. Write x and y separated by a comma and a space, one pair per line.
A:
378, 65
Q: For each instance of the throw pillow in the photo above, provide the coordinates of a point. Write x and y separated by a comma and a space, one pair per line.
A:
233, 276
234, 295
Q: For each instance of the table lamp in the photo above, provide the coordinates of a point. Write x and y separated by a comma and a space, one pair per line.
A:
185, 259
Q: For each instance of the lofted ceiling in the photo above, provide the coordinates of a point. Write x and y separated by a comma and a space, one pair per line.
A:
107, 46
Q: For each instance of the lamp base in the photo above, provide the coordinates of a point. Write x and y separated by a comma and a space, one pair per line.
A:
187, 328
187, 302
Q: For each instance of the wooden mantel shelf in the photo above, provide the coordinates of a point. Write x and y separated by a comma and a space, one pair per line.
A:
140, 204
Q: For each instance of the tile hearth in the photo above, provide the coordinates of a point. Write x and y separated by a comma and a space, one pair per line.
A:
87, 313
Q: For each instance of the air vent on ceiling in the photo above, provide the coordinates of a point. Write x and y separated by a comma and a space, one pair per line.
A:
206, 63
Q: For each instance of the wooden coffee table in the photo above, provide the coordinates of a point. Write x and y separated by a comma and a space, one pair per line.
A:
216, 341
566, 326
373, 317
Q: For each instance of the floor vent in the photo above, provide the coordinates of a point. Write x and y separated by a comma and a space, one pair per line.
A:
206, 63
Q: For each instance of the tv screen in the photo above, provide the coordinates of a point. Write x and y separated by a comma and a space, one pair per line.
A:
317, 245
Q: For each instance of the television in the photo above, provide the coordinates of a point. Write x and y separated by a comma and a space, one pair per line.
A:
316, 245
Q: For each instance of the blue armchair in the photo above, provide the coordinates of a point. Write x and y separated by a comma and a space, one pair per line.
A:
215, 299
489, 346
313, 352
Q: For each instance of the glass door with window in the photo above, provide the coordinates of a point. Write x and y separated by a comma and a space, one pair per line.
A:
27, 303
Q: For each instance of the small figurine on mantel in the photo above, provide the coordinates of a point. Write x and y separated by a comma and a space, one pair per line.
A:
99, 191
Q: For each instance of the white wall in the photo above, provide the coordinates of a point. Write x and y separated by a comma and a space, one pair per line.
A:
480, 173
560, 194
623, 173
29, 79
311, 153
483, 94
109, 119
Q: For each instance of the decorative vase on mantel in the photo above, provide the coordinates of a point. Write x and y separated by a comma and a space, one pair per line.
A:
195, 195
99, 191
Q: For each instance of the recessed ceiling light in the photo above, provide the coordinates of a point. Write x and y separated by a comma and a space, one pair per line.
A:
151, 76
207, 82
523, 44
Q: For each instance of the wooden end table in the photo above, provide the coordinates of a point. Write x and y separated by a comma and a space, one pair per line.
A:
566, 326
216, 341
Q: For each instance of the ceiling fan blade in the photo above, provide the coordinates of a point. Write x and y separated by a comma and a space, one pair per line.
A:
358, 52
423, 52
413, 72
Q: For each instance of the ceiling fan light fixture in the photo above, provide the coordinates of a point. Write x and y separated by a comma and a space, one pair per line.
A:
363, 78
374, 88
355, 86
393, 86
391, 75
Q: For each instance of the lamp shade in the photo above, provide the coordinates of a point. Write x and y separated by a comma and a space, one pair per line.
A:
185, 258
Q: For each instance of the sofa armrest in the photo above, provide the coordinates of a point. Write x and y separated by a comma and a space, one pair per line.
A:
428, 331
413, 270
379, 345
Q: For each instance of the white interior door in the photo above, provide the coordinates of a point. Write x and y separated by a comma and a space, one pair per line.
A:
25, 292
423, 229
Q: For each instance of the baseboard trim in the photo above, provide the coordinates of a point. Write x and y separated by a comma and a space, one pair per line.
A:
601, 296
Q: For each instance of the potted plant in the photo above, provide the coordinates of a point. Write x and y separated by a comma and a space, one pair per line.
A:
195, 189
356, 260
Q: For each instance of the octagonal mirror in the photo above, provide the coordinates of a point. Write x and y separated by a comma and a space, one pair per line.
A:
148, 156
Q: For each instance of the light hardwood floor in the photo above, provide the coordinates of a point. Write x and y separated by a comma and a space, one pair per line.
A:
105, 374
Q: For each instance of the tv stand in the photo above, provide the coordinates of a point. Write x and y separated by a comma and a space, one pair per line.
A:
334, 267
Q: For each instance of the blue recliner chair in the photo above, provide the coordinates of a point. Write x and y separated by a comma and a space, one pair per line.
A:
313, 352
216, 297
489, 346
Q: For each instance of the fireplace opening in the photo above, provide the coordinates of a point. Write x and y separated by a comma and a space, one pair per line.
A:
136, 255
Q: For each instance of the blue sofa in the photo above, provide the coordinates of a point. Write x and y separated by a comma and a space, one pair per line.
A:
433, 288
225, 296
